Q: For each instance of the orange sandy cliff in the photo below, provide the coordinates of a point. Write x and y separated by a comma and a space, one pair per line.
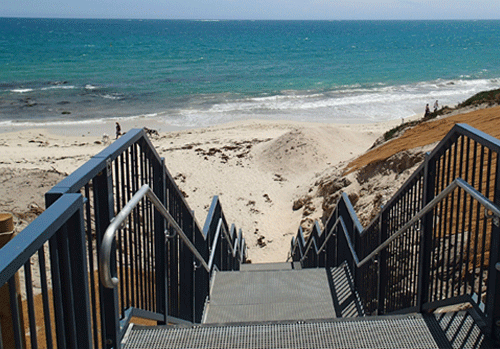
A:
486, 120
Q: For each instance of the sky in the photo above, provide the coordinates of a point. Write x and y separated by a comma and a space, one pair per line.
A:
254, 9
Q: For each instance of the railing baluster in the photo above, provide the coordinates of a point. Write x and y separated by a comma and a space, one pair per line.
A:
102, 191
146, 227
174, 262
150, 240
144, 236
160, 267
149, 304
90, 257
477, 172
129, 258
15, 308
469, 215
441, 232
123, 252
57, 292
118, 206
408, 249
462, 285
407, 246
427, 234
135, 255
140, 231
31, 304
459, 235
448, 222
417, 237
79, 276
438, 223
45, 298
382, 264
486, 233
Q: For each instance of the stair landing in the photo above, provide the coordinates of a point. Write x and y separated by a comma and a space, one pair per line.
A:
270, 295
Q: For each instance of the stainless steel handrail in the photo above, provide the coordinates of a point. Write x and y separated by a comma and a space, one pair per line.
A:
228, 238
109, 236
214, 244
458, 182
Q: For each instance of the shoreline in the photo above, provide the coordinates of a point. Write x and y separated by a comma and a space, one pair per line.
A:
98, 127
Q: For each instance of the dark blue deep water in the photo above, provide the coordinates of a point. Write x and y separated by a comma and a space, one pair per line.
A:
196, 73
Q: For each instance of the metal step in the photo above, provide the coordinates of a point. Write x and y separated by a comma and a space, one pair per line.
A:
451, 330
270, 295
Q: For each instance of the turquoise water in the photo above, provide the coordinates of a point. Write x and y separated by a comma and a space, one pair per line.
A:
197, 73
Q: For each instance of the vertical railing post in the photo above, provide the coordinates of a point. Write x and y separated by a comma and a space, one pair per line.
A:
80, 279
186, 268
172, 255
173, 275
104, 211
194, 283
159, 178
382, 264
426, 233
60, 256
493, 295
55, 261
201, 275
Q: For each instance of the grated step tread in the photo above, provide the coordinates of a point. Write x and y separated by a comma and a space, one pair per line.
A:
452, 330
270, 296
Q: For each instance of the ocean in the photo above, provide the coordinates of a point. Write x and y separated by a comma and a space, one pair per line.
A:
198, 73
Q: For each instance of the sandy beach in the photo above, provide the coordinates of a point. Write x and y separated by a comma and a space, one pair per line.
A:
258, 168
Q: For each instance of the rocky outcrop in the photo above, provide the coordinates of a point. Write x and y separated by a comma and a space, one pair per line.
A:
397, 164
368, 188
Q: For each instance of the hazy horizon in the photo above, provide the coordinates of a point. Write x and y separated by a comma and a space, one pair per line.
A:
257, 10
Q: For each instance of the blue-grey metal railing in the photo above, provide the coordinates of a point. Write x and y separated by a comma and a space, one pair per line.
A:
159, 278
44, 249
446, 256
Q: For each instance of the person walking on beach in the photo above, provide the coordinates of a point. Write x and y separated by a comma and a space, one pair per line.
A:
427, 110
118, 130
436, 106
